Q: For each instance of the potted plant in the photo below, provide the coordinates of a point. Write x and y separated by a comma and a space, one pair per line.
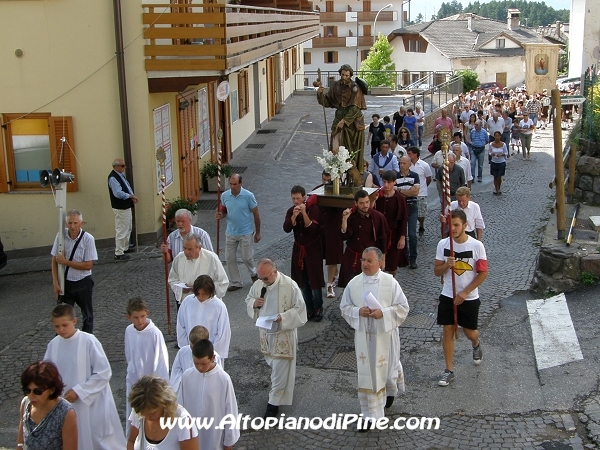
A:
209, 175
173, 206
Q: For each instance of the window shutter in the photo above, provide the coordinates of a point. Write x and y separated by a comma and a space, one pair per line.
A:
3, 180
335, 57
59, 127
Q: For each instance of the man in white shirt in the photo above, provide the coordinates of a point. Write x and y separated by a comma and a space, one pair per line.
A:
422, 169
463, 162
475, 224
494, 123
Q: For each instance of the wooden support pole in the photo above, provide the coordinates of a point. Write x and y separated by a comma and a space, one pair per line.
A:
559, 169
572, 167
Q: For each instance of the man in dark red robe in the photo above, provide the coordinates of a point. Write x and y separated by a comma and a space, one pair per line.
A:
392, 204
362, 227
307, 255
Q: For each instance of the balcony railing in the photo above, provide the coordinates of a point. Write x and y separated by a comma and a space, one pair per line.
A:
363, 16
336, 42
220, 38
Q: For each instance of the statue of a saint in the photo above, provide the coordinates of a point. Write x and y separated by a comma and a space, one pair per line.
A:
348, 128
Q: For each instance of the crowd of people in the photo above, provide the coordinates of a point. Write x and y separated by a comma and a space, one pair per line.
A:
361, 247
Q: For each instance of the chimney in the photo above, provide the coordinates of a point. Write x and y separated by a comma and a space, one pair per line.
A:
558, 25
470, 22
513, 19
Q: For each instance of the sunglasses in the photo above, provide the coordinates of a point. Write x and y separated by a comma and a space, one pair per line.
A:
36, 391
267, 277
120, 165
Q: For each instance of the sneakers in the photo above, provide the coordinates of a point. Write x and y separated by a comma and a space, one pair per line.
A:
477, 354
335, 281
446, 378
330, 291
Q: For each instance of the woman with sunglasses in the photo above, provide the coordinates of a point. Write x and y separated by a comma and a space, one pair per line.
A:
404, 138
48, 422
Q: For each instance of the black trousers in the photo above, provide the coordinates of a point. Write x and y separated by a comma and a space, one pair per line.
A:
80, 293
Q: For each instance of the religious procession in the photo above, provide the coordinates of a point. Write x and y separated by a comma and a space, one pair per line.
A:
352, 232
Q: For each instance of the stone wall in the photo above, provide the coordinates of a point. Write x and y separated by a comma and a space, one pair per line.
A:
587, 179
559, 268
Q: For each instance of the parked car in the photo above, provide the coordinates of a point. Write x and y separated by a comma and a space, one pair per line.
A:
491, 85
3, 256
567, 84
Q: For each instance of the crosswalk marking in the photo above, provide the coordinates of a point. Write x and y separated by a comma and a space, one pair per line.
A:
554, 338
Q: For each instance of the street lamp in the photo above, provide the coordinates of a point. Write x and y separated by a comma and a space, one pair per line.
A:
376, 16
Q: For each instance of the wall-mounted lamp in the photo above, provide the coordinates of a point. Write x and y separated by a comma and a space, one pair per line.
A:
183, 105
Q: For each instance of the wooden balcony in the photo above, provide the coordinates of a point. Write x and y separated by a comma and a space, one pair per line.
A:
363, 16
212, 39
336, 42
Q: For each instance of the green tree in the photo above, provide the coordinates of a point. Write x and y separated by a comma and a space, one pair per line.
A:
449, 9
380, 59
470, 79
419, 18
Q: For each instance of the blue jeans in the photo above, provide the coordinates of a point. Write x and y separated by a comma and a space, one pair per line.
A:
413, 213
475, 159
534, 118
506, 139
420, 134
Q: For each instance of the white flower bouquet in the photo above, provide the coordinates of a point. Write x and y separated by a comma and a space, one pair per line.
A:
336, 165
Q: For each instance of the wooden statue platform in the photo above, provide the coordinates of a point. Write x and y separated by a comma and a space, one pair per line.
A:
344, 200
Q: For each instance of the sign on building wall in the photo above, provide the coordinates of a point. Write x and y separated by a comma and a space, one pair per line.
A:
162, 138
203, 123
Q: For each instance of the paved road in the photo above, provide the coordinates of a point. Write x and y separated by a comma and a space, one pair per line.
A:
504, 403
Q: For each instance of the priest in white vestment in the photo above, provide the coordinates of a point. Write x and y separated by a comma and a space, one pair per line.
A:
204, 308
85, 370
375, 306
277, 300
192, 262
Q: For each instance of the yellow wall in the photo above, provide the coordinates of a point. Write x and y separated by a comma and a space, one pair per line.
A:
69, 68
244, 127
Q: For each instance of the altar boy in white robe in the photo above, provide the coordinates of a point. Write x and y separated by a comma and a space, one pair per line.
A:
375, 306
206, 391
145, 350
275, 295
204, 308
86, 373
192, 262
184, 359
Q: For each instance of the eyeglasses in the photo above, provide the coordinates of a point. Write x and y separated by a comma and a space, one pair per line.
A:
267, 277
36, 391
120, 165
404, 132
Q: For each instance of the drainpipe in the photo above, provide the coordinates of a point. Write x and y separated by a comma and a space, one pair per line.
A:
123, 101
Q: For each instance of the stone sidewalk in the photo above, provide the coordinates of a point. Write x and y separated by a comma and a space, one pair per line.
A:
326, 376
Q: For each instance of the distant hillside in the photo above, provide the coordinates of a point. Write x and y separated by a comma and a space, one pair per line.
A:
533, 14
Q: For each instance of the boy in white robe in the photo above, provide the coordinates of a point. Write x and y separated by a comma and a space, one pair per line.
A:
145, 349
376, 339
206, 391
86, 373
184, 359
203, 308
